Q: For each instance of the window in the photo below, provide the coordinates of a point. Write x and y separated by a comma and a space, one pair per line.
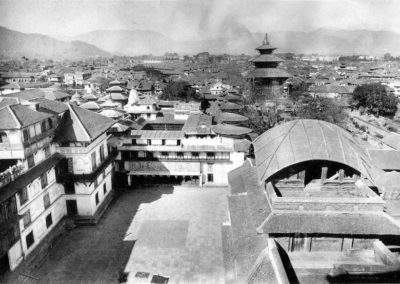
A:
148, 115
3, 137
180, 155
23, 196
49, 220
210, 167
148, 141
163, 142
195, 155
210, 155
178, 142
93, 161
96, 184
104, 188
97, 198
27, 218
26, 134
210, 177
31, 161
50, 122
133, 141
69, 188
47, 151
43, 180
43, 126
149, 155
102, 153
164, 154
29, 239
46, 201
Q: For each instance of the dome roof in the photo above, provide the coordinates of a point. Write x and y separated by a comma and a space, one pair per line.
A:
305, 140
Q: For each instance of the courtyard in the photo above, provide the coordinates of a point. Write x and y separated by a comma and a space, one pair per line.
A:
170, 231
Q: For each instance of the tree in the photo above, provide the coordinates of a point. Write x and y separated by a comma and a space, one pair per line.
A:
387, 57
375, 99
322, 109
259, 119
179, 90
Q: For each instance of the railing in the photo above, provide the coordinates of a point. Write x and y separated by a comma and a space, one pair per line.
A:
11, 174
165, 158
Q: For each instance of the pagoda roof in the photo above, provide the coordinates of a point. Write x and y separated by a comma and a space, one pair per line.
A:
269, 73
267, 58
266, 47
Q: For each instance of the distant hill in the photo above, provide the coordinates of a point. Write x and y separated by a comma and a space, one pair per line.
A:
323, 41
17, 44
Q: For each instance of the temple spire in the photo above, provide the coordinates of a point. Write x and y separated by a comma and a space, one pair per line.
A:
266, 40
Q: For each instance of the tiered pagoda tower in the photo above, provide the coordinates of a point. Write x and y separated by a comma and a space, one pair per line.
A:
266, 71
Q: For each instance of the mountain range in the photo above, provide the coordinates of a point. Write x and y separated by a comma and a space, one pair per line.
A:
17, 44
138, 42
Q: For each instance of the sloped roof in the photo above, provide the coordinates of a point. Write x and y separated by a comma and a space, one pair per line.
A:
5, 101
56, 95
12, 85
51, 106
118, 97
385, 159
227, 129
269, 73
393, 140
147, 100
7, 119
267, 58
90, 105
290, 222
230, 117
305, 140
82, 125
115, 89
27, 116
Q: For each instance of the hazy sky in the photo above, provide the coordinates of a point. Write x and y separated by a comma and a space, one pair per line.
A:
196, 19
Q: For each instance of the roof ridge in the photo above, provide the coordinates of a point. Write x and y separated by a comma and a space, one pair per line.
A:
79, 120
14, 116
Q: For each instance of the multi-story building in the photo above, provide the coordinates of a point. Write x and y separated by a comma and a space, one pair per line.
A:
184, 149
54, 161
87, 170
31, 199
77, 78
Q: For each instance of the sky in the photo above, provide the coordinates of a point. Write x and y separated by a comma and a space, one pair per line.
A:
196, 19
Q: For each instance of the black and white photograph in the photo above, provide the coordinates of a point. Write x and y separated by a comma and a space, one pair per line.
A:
199, 141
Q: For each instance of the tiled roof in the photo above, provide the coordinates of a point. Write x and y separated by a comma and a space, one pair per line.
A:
393, 140
82, 125
156, 134
12, 85
227, 129
27, 116
385, 159
269, 73
267, 58
115, 89
51, 106
5, 101
291, 222
226, 117
7, 119
90, 105
118, 97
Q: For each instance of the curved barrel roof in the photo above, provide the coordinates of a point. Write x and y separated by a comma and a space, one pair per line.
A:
305, 140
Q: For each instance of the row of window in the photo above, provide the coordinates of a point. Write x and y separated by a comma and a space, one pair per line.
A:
23, 195
31, 159
44, 126
27, 216
163, 142
30, 239
126, 155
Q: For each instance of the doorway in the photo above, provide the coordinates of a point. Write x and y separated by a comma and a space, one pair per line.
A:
72, 208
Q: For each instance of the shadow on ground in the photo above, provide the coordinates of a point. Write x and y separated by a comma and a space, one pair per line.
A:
93, 254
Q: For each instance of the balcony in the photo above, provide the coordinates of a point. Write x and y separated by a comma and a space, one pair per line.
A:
39, 137
177, 158
11, 174
93, 175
